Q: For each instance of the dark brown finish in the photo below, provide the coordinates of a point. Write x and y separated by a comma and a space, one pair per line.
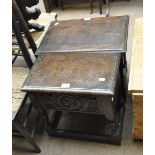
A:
91, 6
101, 2
47, 5
113, 136
84, 73
90, 1
100, 6
89, 104
138, 116
94, 82
95, 35
110, 108
95, 88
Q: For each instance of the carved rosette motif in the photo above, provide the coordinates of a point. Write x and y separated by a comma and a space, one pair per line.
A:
68, 102
81, 103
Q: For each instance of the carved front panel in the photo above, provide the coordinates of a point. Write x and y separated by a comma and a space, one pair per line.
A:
79, 103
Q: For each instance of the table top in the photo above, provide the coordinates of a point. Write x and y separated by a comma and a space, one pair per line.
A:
82, 73
94, 35
136, 69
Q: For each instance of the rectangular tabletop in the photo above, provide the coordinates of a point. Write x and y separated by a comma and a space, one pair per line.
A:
96, 34
86, 73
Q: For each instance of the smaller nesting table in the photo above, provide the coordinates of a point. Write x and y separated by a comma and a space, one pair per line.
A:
87, 35
86, 84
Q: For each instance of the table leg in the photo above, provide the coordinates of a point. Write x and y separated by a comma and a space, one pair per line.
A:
62, 5
100, 6
47, 6
55, 119
39, 108
123, 75
107, 8
91, 6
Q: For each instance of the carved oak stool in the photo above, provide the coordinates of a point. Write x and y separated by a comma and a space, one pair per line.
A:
78, 83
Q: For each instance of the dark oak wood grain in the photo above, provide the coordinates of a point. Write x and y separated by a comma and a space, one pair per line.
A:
80, 69
95, 35
83, 73
93, 87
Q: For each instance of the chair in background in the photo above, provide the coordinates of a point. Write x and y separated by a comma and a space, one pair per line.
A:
21, 105
101, 2
48, 5
100, 5
31, 44
62, 4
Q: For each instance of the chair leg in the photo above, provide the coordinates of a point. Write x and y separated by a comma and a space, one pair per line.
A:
100, 6
47, 6
91, 6
27, 136
62, 5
